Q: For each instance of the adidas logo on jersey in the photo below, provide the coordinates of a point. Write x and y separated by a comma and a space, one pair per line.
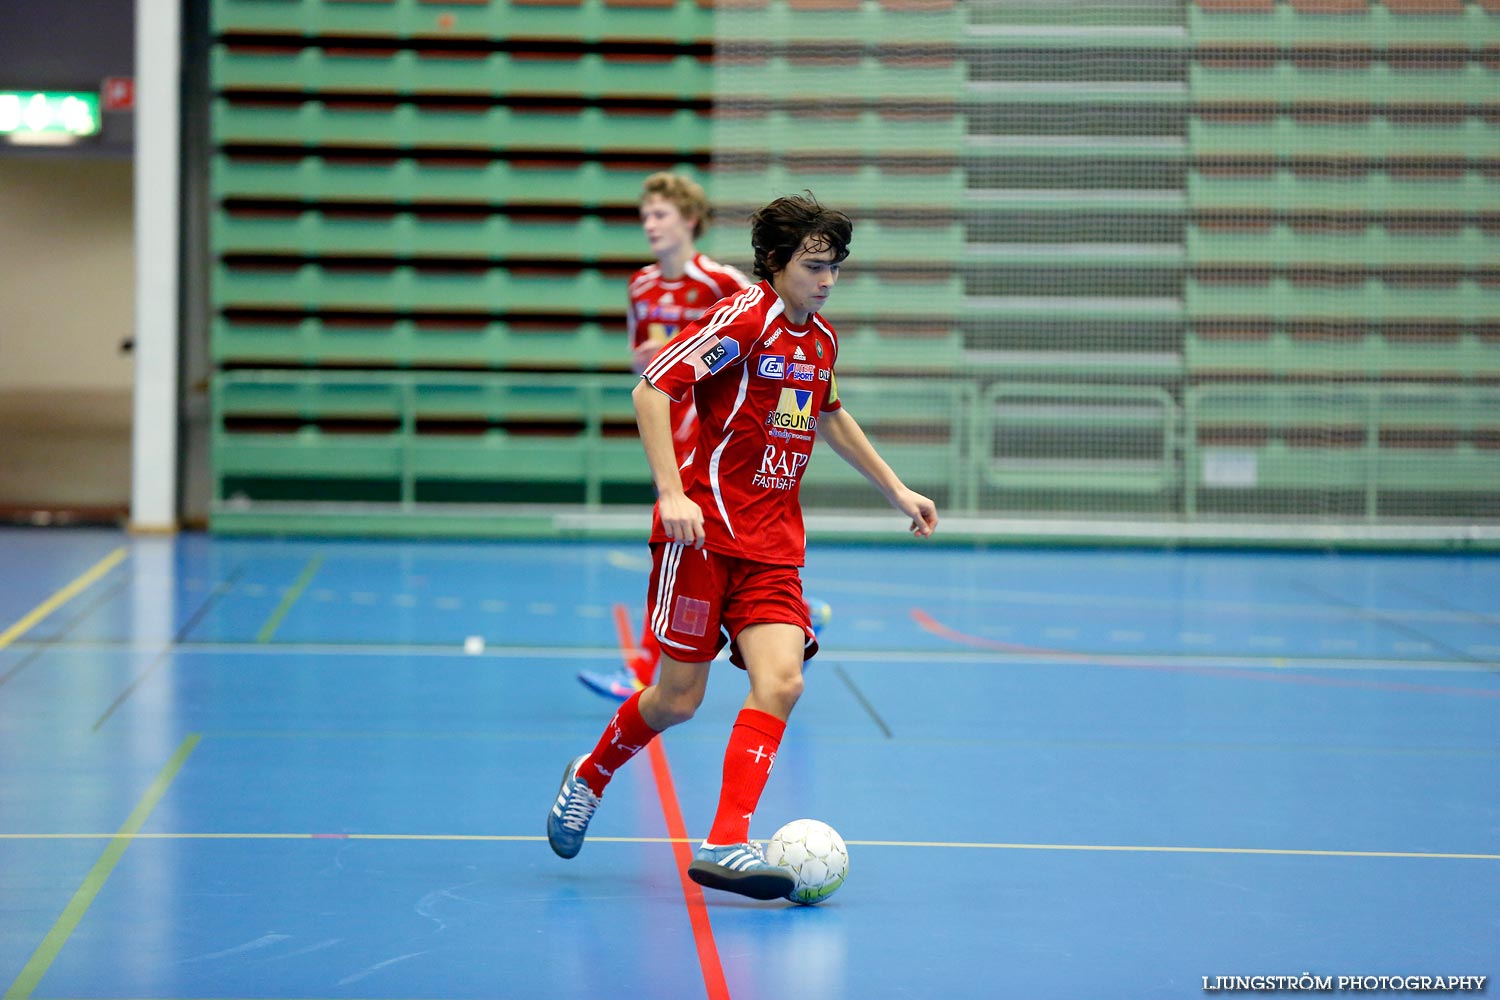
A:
799, 355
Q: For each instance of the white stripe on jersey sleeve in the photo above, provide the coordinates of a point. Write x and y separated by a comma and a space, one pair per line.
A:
737, 307
677, 348
675, 352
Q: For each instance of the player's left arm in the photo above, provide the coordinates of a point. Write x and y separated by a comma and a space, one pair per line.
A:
848, 441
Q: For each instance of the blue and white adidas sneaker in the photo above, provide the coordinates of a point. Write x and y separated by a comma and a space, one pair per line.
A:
568, 820
741, 868
618, 686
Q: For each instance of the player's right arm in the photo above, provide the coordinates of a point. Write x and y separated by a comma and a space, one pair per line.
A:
681, 518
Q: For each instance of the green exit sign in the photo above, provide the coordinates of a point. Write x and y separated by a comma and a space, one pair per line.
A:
44, 115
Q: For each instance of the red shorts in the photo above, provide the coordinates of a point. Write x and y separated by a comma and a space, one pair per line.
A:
698, 600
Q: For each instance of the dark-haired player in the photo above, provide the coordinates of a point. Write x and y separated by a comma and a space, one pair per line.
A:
727, 538
665, 297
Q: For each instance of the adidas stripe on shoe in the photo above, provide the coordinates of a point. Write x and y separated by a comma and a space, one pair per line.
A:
742, 869
568, 821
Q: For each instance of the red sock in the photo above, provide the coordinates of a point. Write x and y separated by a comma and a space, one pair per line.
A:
626, 735
643, 665
747, 765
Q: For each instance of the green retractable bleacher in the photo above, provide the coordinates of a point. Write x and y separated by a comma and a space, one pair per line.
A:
1342, 229
1229, 259
423, 216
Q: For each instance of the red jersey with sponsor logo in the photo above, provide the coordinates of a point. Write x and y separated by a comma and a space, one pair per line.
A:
759, 385
663, 307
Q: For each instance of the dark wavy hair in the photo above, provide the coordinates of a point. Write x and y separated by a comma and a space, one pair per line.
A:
778, 229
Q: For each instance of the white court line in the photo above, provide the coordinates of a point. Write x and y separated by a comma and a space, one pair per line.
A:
1030, 598
1280, 663
984, 595
920, 844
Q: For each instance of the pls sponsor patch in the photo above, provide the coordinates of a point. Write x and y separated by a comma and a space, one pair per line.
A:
715, 356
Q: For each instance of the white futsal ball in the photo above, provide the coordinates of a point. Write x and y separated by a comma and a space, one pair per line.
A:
814, 852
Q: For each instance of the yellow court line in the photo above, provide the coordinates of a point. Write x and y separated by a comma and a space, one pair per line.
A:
961, 845
46, 952
62, 597
274, 622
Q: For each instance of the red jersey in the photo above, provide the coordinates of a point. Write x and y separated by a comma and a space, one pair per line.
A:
662, 307
759, 385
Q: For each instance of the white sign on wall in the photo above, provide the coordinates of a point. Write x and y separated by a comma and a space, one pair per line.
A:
1233, 468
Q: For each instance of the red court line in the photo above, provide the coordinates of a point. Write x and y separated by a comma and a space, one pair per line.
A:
628, 650
682, 851
937, 628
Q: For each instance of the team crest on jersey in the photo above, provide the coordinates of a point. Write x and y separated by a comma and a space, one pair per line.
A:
804, 373
819, 345
771, 366
794, 411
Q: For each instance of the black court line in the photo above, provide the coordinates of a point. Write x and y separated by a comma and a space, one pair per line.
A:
859, 696
1401, 627
214, 595
1437, 601
43, 645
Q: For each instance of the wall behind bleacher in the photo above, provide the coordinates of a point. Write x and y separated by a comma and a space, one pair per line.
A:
67, 273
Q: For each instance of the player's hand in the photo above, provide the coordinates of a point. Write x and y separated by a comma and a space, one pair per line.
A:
681, 519
922, 511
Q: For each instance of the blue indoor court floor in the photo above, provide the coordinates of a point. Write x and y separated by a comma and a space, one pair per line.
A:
236, 768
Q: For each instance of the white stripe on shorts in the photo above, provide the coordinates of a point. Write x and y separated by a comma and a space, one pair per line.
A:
666, 586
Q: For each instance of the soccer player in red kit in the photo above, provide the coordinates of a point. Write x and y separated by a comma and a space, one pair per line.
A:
665, 297
727, 539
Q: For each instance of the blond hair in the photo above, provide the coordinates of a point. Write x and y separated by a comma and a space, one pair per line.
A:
684, 193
